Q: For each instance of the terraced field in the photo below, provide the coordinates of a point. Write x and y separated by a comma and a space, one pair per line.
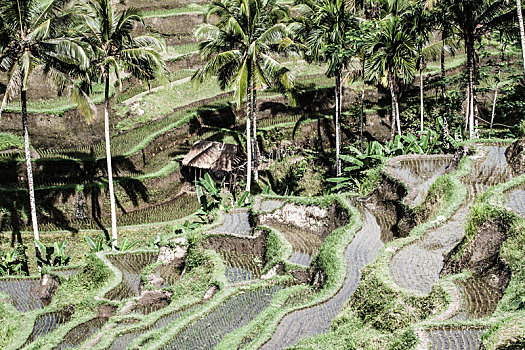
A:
305, 227
317, 319
22, 293
80, 333
417, 266
48, 322
206, 332
125, 338
515, 199
455, 338
236, 222
305, 244
419, 173
267, 205
480, 299
131, 265
242, 267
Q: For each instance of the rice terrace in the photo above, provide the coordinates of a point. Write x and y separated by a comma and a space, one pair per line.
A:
262, 174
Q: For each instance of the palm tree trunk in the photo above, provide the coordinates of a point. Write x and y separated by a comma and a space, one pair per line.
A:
421, 97
443, 71
254, 118
395, 105
470, 68
108, 161
29, 168
494, 107
522, 31
361, 122
248, 133
337, 121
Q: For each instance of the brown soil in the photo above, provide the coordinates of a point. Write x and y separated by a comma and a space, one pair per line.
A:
255, 246
481, 256
185, 62
106, 311
171, 26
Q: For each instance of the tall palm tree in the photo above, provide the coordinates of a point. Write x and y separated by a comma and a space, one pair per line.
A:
473, 19
113, 49
238, 51
324, 25
392, 58
32, 34
421, 24
522, 31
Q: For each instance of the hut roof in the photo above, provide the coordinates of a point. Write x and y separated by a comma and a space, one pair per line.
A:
213, 155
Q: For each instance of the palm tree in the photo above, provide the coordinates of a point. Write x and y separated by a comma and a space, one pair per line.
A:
421, 24
32, 34
238, 50
324, 26
114, 49
473, 19
522, 31
392, 57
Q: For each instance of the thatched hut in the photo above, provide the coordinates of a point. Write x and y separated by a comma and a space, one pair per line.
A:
223, 161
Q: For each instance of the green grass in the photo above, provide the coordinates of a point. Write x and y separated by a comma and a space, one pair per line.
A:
8, 140
191, 8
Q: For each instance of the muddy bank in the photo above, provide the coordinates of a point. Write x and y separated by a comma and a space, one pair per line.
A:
481, 256
254, 245
515, 155
395, 219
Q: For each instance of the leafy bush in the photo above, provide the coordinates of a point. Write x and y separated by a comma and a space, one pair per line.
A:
8, 141
195, 256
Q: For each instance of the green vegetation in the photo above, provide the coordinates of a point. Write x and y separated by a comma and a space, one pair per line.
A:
336, 107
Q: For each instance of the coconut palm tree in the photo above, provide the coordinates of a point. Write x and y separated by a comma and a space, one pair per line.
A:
33, 34
113, 49
392, 58
238, 50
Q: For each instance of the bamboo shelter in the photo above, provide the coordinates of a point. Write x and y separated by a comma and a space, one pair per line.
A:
223, 161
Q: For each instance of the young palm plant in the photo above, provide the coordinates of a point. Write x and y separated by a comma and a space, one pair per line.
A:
113, 49
33, 34
238, 51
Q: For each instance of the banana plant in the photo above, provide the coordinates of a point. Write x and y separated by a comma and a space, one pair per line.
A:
98, 245
10, 263
55, 255
358, 163
127, 245
208, 193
